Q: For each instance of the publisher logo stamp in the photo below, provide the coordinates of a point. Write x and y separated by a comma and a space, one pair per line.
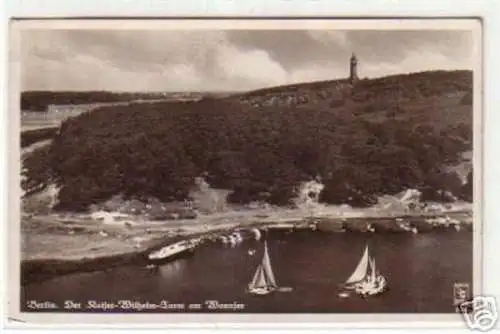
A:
480, 312
461, 294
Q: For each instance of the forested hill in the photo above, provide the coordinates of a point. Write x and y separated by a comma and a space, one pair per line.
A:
375, 137
399, 87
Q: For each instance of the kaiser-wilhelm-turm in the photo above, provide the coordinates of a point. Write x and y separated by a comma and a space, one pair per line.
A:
353, 75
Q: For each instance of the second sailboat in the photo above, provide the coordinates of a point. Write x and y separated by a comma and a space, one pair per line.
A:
263, 281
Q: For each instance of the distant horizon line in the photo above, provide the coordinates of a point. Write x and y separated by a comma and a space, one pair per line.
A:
242, 90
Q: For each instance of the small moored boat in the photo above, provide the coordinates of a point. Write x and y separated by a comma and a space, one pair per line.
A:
173, 251
237, 237
257, 233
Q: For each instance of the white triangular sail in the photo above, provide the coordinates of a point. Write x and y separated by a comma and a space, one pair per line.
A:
361, 269
259, 279
264, 276
373, 269
266, 265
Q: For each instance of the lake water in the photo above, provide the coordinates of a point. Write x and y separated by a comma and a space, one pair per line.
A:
420, 269
37, 120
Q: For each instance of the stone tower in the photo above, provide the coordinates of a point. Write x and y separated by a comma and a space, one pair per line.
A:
353, 75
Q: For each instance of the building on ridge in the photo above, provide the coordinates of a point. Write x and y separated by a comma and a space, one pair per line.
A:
353, 74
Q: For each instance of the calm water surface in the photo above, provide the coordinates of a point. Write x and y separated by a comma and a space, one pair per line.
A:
420, 269
37, 120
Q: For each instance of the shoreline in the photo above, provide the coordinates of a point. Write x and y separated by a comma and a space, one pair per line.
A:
38, 269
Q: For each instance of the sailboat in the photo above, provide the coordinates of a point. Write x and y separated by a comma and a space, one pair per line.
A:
263, 281
366, 280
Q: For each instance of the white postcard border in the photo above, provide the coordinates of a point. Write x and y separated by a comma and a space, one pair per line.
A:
340, 320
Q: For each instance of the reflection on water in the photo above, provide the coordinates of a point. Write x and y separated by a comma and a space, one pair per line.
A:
420, 269
173, 269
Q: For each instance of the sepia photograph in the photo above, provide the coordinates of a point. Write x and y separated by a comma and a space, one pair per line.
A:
246, 167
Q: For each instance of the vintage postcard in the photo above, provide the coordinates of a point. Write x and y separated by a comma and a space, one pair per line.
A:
191, 171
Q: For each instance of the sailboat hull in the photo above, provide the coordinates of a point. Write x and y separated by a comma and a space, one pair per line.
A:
346, 292
260, 291
372, 293
371, 290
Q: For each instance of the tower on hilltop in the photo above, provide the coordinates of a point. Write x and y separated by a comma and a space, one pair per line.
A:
353, 75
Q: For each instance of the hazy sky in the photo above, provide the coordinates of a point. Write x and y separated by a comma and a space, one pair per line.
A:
227, 60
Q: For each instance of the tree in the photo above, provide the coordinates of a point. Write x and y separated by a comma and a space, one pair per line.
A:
468, 188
